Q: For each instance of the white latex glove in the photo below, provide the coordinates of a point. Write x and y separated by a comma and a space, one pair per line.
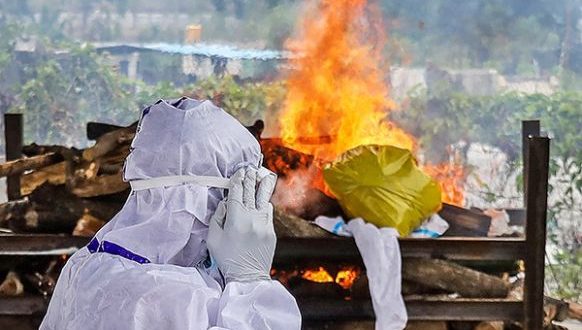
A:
241, 237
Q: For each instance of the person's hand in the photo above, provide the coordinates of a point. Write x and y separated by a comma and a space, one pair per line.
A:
241, 237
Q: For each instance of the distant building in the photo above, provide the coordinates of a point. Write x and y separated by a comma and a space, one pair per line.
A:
476, 82
197, 61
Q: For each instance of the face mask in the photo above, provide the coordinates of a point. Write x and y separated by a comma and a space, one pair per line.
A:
202, 180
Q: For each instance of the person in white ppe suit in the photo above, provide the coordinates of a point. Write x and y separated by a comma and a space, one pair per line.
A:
193, 245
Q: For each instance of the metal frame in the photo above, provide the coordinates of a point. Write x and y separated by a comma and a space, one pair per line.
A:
531, 250
13, 143
537, 163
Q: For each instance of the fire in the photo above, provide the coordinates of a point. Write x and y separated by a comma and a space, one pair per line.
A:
337, 97
346, 277
450, 176
319, 275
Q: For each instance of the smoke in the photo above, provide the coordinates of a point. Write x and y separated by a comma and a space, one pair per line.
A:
296, 194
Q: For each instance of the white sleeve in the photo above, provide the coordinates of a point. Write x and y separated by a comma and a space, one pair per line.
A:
381, 254
257, 305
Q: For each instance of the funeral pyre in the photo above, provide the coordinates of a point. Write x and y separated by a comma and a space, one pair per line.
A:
337, 100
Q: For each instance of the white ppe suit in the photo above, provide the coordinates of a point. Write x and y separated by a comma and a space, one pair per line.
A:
148, 268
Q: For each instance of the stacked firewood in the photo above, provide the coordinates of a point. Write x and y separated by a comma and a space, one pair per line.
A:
69, 190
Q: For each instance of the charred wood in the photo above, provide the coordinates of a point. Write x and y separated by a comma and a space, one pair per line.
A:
109, 142
12, 210
465, 222
257, 129
304, 288
283, 160
67, 153
11, 286
51, 209
96, 130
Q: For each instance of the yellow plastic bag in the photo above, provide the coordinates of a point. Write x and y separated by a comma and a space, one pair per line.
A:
382, 185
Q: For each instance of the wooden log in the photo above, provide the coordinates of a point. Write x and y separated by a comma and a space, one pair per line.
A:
52, 209
107, 169
575, 311
451, 277
67, 153
113, 162
88, 225
53, 174
426, 325
22, 165
283, 160
304, 288
490, 325
12, 210
338, 325
11, 286
465, 222
96, 130
287, 225
110, 141
100, 185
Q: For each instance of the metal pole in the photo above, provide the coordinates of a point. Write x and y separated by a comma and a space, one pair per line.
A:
528, 128
13, 140
538, 162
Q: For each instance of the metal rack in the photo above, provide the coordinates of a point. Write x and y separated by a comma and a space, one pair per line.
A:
530, 249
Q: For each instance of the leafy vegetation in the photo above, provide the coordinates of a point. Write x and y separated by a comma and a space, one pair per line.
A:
62, 95
248, 102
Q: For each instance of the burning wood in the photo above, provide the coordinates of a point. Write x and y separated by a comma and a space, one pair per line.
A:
345, 276
319, 275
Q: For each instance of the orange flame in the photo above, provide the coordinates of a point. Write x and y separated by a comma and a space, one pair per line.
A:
319, 275
346, 277
337, 98
450, 178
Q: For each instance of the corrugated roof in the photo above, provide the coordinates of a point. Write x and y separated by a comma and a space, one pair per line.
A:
201, 49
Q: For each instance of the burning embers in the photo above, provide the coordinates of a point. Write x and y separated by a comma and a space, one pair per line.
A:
337, 98
344, 276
